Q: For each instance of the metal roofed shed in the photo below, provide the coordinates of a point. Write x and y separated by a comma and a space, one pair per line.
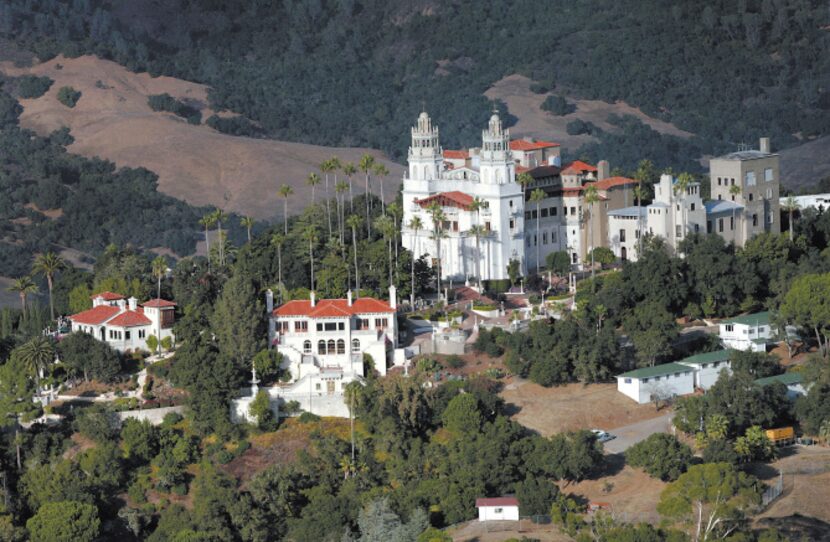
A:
793, 380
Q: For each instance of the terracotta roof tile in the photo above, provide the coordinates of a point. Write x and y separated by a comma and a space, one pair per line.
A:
611, 182
497, 501
95, 315
158, 303
130, 319
456, 155
525, 145
332, 308
108, 296
450, 199
578, 166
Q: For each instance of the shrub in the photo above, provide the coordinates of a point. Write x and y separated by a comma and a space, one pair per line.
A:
308, 417
166, 102
661, 456
557, 105
239, 126
454, 362
68, 96
577, 127
32, 86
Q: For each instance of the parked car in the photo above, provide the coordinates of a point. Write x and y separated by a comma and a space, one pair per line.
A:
603, 436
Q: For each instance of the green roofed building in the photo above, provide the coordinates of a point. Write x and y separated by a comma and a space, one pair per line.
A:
747, 332
708, 367
793, 381
663, 381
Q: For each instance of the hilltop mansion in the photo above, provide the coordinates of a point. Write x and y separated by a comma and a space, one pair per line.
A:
476, 217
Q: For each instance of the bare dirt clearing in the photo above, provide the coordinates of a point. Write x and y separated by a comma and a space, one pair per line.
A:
195, 163
806, 484
514, 90
574, 406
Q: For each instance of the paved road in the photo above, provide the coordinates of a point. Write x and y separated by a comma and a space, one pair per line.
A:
629, 435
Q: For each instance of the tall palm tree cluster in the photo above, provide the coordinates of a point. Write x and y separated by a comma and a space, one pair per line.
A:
340, 214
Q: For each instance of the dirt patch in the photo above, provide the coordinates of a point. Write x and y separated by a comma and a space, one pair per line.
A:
281, 446
53, 214
806, 475
631, 494
195, 163
573, 406
495, 531
514, 90
80, 444
805, 164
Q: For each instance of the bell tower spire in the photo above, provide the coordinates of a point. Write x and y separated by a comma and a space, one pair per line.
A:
425, 154
497, 166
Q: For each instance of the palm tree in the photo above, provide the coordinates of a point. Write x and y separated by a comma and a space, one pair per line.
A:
384, 225
327, 167
159, 270
524, 179
208, 221
380, 172
285, 192
415, 225
367, 161
24, 286
591, 197
36, 356
536, 197
638, 193
248, 223
437, 214
47, 264
791, 205
684, 180
277, 240
478, 231
313, 180
340, 190
349, 169
219, 215
353, 222
396, 212
310, 235
734, 190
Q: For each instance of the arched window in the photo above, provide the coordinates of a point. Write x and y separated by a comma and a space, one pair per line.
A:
355, 346
341, 346
321, 348
307, 347
331, 346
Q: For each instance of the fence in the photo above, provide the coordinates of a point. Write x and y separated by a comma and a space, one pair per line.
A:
774, 491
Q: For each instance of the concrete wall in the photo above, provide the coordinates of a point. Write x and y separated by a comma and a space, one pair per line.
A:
667, 386
498, 513
154, 415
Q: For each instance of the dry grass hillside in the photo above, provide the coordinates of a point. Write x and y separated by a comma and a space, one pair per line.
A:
195, 163
514, 90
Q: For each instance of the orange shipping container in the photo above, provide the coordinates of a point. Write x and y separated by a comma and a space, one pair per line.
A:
781, 434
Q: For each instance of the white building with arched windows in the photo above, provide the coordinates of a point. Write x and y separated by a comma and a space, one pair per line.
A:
323, 344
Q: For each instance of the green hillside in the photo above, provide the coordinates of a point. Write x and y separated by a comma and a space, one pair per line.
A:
351, 72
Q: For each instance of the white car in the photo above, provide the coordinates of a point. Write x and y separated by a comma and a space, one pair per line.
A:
602, 436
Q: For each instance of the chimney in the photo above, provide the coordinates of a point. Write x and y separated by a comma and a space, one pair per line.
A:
269, 301
393, 297
765, 147
132, 303
603, 170
122, 303
313, 299
349, 297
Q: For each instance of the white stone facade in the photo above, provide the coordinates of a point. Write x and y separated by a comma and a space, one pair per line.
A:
751, 332
123, 324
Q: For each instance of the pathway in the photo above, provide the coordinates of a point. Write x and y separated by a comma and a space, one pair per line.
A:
629, 435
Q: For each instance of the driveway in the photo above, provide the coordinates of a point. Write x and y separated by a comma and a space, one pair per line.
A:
629, 435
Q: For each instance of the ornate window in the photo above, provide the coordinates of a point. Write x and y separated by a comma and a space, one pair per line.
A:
341, 346
331, 346
321, 348
306, 347
355, 346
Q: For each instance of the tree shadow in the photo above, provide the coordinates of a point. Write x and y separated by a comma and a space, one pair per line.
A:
798, 527
511, 409
613, 465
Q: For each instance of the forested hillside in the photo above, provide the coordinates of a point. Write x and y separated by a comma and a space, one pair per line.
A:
350, 72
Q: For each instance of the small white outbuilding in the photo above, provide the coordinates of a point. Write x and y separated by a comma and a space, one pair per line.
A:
498, 509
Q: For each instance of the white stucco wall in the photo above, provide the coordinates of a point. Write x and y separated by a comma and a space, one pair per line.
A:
498, 513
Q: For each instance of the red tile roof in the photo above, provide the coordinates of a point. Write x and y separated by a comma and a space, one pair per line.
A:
525, 145
158, 303
130, 319
95, 315
611, 182
497, 501
108, 296
578, 166
456, 155
448, 199
333, 308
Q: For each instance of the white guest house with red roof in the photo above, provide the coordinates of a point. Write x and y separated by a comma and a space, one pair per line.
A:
323, 343
122, 323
